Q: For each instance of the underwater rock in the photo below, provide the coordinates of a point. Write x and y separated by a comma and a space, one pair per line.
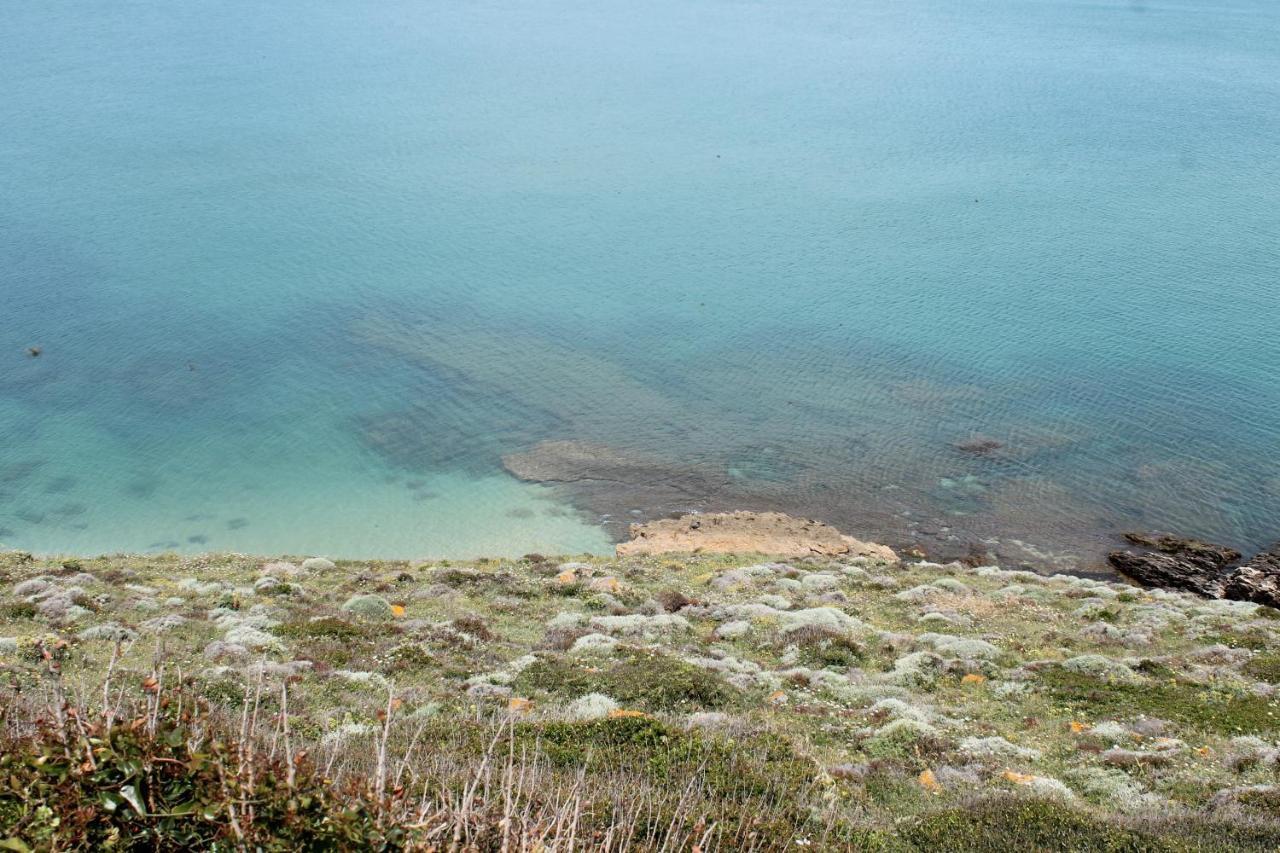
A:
574, 461
745, 533
978, 445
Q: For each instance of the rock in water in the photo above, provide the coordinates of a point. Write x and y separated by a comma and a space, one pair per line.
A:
1169, 572
978, 445
1257, 580
1193, 548
1202, 568
770, 533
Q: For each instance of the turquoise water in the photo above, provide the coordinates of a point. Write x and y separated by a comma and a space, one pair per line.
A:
302, 273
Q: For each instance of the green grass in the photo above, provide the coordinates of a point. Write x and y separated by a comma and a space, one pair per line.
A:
1264, 667
1177, 700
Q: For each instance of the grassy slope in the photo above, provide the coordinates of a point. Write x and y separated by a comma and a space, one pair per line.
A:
1089, 715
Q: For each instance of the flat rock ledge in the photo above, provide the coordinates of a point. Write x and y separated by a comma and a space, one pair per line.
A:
743, 532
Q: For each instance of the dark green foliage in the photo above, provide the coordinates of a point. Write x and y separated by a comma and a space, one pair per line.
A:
1179, 700
18, 610
1022, 824
644, 679
329, 627
331, 641
409, 657
144, 791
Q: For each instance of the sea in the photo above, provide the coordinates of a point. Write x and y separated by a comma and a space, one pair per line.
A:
301, 275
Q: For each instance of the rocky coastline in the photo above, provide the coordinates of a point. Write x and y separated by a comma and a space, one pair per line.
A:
1212, 571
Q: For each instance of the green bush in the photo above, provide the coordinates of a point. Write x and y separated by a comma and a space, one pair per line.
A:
328, 627
19, 610
128, 788
648, 680
373, 607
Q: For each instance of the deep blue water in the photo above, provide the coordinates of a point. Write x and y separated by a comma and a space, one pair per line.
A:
302, 272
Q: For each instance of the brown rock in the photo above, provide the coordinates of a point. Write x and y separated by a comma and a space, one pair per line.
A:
1168, 571
771, 533
1257, 580
1167, 543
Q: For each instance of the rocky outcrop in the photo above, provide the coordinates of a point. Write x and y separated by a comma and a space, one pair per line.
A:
1201, 567
770, 533
1257, 580
1217, 555
1170, 571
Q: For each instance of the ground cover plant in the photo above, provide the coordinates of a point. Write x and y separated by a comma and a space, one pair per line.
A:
709, 702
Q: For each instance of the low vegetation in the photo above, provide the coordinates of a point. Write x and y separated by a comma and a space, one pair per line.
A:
705, 702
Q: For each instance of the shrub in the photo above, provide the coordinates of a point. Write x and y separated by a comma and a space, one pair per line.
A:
164, 784
650, 680
373, 607
327, 627
19, 610
822, 646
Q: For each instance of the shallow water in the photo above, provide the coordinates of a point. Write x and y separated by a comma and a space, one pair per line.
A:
303, 273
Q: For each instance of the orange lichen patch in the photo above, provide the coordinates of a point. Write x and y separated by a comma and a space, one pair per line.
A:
606, 584
623, 713
568, 576
1019, 778
1204, 751
929, 782
777, 697
1077, 727
973, 678
519, 705
397, 610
